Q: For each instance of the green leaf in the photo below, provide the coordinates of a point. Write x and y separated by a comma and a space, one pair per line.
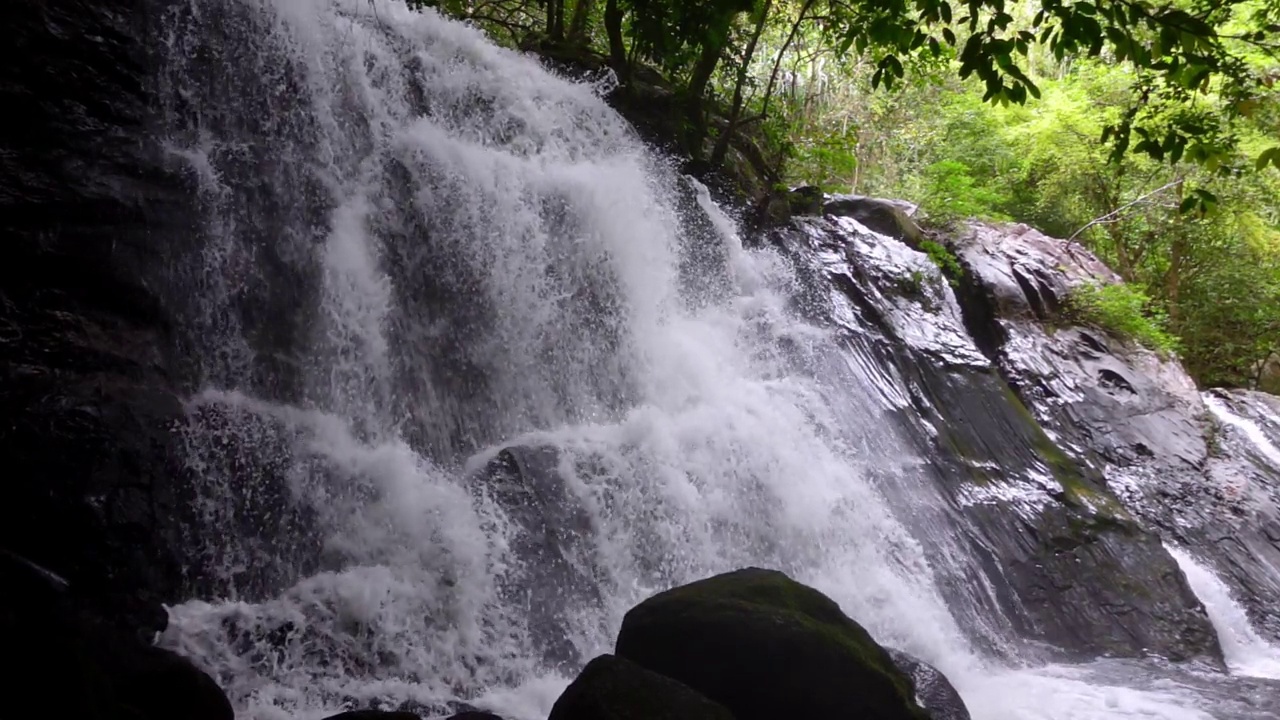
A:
949, 36
895, 66
1271, 156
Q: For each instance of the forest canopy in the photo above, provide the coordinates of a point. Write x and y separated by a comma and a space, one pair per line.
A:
1149, 132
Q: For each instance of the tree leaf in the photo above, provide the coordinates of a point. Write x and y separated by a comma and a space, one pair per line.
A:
1271, 156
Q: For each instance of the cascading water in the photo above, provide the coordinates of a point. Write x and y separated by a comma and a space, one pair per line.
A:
1265, 448
418, 248
494, 258
1247, 653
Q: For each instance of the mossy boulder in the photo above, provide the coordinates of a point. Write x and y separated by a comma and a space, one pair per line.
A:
612, 688
766, 646
806, 200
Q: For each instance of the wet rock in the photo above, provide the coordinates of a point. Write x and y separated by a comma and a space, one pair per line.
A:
527, 484
806, 200
765, 646
100, 671
93, 478
475, 715
887, 217
613, 688
374, 715
934, 692
1128, 413
1041, 539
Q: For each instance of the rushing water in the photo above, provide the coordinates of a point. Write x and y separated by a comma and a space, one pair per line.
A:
417, 248
1265, 447
1246, 652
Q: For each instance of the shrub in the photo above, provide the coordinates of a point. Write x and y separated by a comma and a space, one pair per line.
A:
951, 193
1123, 310
944, 259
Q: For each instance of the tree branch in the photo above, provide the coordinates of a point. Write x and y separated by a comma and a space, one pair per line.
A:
1122, 208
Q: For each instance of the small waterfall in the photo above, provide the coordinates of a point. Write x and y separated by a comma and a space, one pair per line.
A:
1246, 652
1260, 440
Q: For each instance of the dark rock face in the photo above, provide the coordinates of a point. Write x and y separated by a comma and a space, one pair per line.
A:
934, 692
98, 670
765, 646
805, 201
375, 715
526, 482
1049, 546
91, 516
1130, 416
613, 688
475, 715
93, 475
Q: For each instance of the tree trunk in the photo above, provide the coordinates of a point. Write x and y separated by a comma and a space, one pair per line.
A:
617, 50
555, 19
703, 69
744, 71
581, 17
782, 52
1173, 277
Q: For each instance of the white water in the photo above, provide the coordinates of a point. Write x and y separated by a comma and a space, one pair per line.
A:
1245, 651
448, 173
1250, 429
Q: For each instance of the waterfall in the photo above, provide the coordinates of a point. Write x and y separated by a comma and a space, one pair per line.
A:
443, 249
416, 249
1260, 440
1247, 653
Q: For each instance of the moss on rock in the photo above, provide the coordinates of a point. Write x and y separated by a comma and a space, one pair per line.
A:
766, 646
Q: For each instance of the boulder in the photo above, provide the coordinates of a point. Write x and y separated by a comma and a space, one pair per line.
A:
475, 715
101, 671
613, 688
934, 692
806, 200
887, 217
375, 715
765, 647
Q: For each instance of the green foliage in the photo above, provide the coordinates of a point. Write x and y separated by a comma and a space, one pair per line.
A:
828, 162
946, 260
1179, 53
951, 193
1122, 310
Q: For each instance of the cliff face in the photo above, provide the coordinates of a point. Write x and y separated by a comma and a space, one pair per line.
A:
88, 386
1198, 468
1067, 454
